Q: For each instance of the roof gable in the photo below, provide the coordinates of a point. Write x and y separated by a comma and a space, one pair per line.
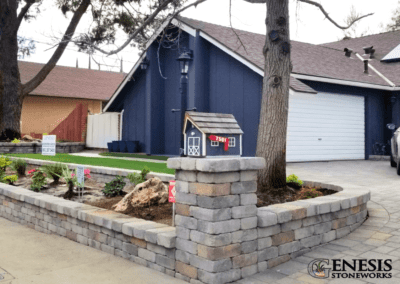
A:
213, 123
70, 82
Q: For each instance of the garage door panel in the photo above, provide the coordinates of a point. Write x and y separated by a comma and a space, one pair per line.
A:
325, 127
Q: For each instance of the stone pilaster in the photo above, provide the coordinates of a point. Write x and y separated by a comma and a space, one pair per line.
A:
216, 218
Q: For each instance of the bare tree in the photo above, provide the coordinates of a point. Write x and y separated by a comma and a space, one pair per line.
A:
271, 141
354, 30
137, 18
395, 23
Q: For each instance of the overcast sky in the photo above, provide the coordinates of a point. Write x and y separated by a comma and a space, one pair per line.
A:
307, 24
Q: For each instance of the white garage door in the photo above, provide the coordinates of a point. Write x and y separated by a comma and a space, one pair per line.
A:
325, 127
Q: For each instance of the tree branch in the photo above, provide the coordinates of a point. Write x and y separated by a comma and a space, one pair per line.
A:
41, 76
146, 23
329, 18
23, 12
230, 22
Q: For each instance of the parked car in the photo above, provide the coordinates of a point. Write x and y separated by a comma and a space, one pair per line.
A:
395, 142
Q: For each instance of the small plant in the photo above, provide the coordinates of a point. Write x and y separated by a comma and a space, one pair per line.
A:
2, 174
311, 194
39, 179
114, 187
15, 141
19, 166
138, 178
71, 180
294, 180
4, 163
10, 179
53, 170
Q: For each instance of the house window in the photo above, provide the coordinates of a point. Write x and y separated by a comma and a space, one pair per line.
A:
214, 144
232, 142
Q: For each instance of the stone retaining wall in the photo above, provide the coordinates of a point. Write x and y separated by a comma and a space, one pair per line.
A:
220, 235
144, 242
36, 147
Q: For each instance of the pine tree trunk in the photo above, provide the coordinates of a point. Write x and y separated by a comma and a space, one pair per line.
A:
271, 141
12, 92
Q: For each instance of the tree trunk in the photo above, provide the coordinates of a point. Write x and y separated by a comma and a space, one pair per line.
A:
271, 141
11, 84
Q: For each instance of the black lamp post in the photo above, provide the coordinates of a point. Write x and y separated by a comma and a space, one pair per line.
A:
184, 60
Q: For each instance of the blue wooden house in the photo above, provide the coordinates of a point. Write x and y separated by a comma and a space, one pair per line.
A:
339, 102
211, 134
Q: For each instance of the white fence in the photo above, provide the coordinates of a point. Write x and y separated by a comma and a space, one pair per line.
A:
102, 128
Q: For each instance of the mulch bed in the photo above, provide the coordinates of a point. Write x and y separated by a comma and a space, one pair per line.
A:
157, 213
291, 193
163, 213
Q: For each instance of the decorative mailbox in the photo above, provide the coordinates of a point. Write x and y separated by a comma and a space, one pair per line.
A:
211, 134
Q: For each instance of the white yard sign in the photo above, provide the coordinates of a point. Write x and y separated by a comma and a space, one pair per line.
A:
80, 174
49, 145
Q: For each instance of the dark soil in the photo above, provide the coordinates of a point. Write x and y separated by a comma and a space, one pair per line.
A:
291, 193
157, 213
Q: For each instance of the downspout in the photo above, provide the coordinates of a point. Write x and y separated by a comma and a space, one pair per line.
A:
121, 122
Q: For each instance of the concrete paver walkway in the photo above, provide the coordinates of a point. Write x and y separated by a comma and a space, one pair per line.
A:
28, 256
377, 238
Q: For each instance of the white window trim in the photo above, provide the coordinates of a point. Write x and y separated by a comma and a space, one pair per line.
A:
214, 143
232, 139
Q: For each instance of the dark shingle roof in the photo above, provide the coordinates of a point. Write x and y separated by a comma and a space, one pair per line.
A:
326, 61
72, 82
383, 44
214, 123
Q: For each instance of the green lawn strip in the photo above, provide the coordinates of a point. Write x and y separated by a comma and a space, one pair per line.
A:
127, 155
104, 162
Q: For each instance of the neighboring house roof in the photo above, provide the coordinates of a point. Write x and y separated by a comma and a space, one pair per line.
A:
307, 59
383, 44
213, 123
70, 82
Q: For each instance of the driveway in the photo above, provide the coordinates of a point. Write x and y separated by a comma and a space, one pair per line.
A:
377, 238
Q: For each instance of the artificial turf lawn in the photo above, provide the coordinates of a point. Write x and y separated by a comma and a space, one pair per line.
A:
104, 162
127, 155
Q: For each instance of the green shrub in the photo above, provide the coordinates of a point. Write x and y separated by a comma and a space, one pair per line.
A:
4, 163
138, 178
53, 170
19, 165
39, 179
10, 179
16, 141
294, 179
2, 174
114, 187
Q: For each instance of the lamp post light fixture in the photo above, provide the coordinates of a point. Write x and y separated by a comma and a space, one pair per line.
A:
145, 63
184, 60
